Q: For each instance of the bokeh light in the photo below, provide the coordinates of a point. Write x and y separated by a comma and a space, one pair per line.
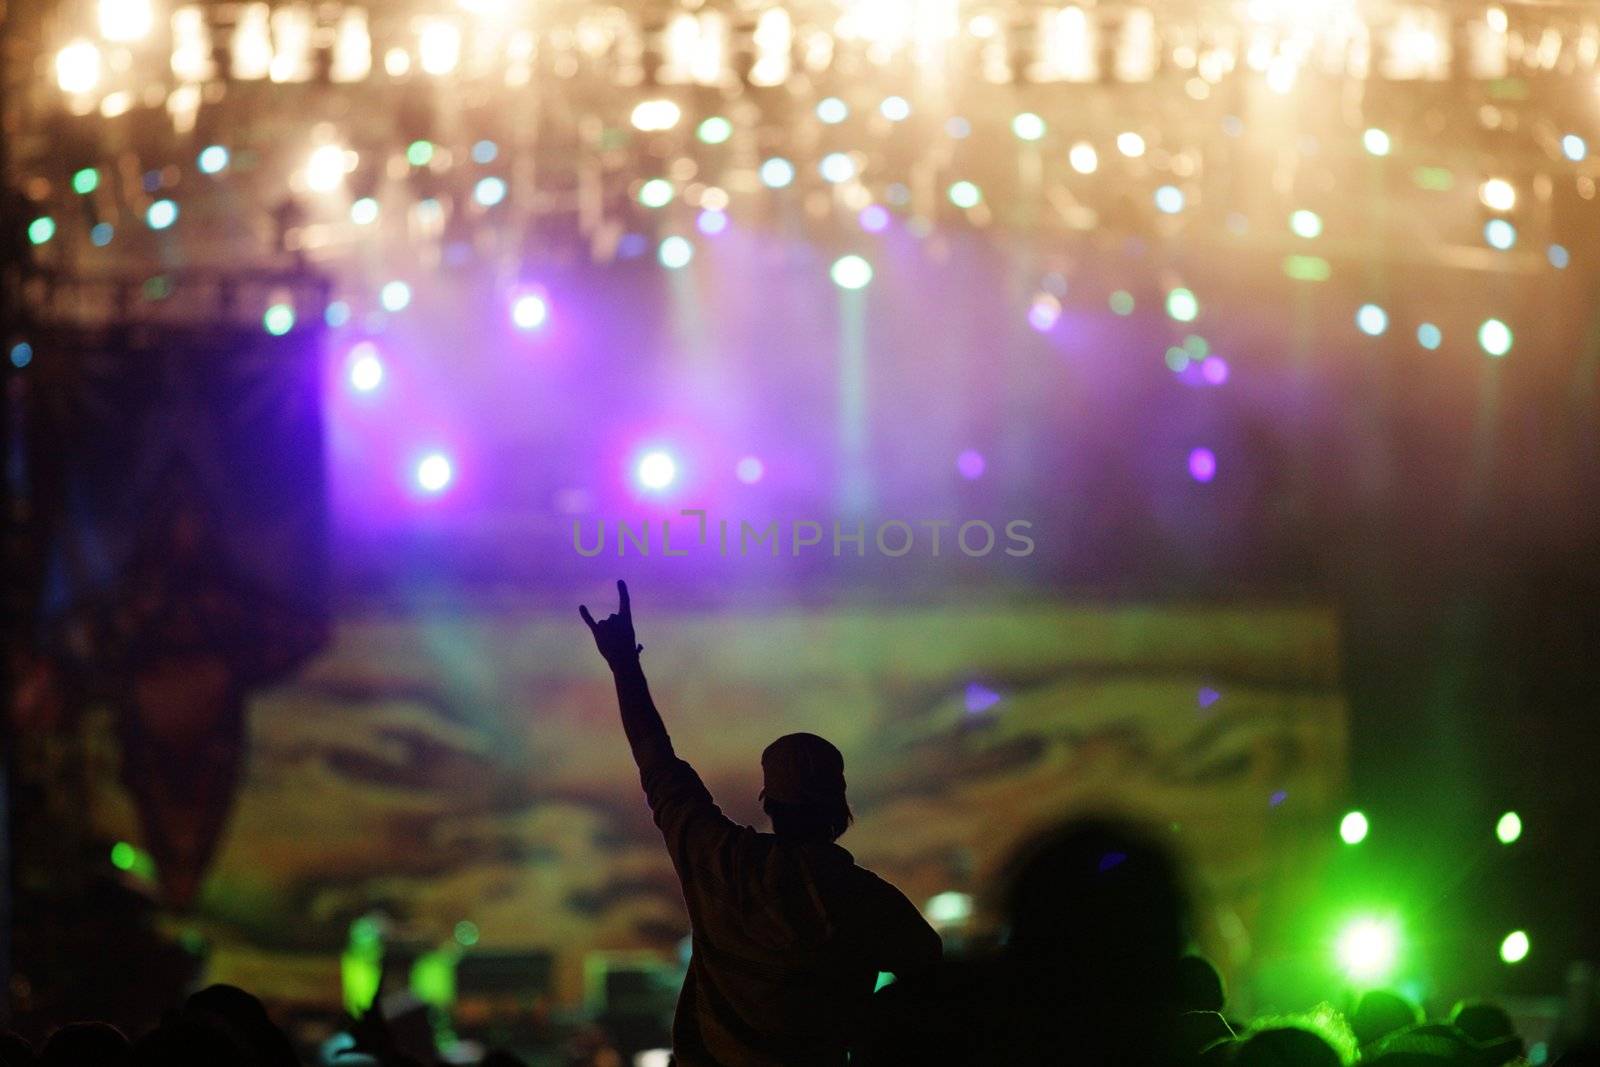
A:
1514, 947
657, 192
366, 367
1508, 828
213, 159
1372, 320
1027, 126
1214, 369
395, 296
21, 354
1044, 312
1169, 199
161, 214
1307, 224
656, 470
1367, 949
466, 933
434, 472
971, 464
1130, 144
85, 181
874, 218
1558, 256
1499, 234
895, 108
964, 194
1495, 337
278, 319
1202, 464
41, 229
1574, 147
714, 130
1083, 158
364, 212
529, 311
100, 234
832, 110
654, 116
711, 222
1353, 828
837, 167
1182, 305
1429, 336
851, 272
1498, 194
675, 252
419, 153
1121, 302
78, 67
1376, 141
489, 191
749, 469
485, 152
326, 168
777, 172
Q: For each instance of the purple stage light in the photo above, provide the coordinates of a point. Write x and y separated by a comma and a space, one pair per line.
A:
656, 470
1214, 369
750, 470
980, 698
434, 473
874, 218
1202, 464
529, 311
1207, 696
366, 369
971, 464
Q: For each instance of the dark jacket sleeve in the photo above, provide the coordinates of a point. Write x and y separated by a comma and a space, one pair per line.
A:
689, 819
905, 942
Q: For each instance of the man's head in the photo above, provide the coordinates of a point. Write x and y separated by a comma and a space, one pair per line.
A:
802, 788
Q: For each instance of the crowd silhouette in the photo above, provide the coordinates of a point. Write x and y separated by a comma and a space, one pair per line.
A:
1094, 966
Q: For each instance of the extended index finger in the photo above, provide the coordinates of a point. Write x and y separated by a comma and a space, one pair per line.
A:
625, 609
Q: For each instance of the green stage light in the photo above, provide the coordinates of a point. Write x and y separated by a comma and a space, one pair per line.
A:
1353, 828
1367, 948
1509, 828
1514, 947
123, 856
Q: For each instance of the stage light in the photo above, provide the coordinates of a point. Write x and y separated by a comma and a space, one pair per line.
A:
336, 314
364, 212
439, 46
125, 20
1429, 336
777, 172
1495, 337
750, 470
1558, 256
1514, 947
366, 369
971, 465
1182, 305
1376, 141
1028, 127
1367, 949
78, 67
837, 167
1353, 828
965, 194
895, 108
85, 181
657, 192
951, 907
832, 110
711, 222
1372, 320
485, 151
1214, 369
1307, 224
489, 191
161, 214
1202, 464
419, 153
1574, 147
1083, 158
656, 470
675, 252
851, 272
1044, 312
278, 319
1169, 199
41, 229
1499, 234
394, 296
123, 856
1509, 828
529, 311
434, 472
100, 234
1121, 302
213, 159
397, 62
326, 168
1497, 194
874, 218
714, 130
654, 116
466, 933
1130, 144
21, 354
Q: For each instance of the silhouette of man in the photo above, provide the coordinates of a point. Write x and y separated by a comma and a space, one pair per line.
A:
789, 934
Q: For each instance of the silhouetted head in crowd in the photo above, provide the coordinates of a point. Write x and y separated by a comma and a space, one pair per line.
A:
1489, 1025
86, 1045
15, 1052
187, 1042
501, 1058
1285, 1046
1199, 1030
1199, 985
802, 788
1380, 1013
244, 1018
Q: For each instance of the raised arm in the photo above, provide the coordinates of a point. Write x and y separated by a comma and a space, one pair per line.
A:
613, 636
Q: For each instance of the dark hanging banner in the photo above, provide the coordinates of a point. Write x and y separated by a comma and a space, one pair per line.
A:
179, 475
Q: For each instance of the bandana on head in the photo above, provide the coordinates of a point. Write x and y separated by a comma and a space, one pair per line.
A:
802, 769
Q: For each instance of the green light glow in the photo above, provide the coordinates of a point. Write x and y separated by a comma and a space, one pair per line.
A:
466, 933
1509, 828
1353, 828
85, 181
1434, 179
278, 319
433, 977
122, 856
1122, 302
419, 153
1367, 949
1182, 305
41, 229
1514, 948
1307, 268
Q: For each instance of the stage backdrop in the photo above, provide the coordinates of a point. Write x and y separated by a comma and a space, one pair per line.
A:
448, 765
